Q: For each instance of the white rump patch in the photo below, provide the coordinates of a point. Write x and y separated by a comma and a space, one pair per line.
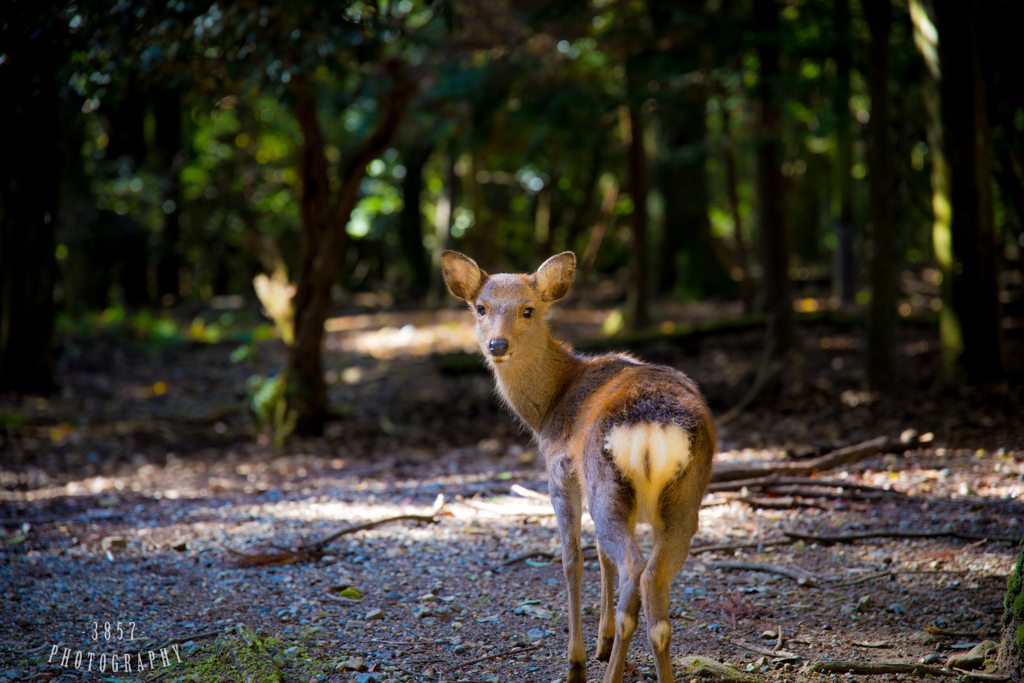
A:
650, 455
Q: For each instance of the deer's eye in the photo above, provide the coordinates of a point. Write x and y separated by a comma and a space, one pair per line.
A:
480, 310
527, 312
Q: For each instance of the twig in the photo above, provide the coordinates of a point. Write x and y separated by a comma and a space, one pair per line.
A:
980, 633
738, 546
847, 538
781, 654
428, 519
837, 458
841, 666
865, 579
418, 675
800, 577
778, 503
874, 644
31, 650
527, 493
974, 677
506, 653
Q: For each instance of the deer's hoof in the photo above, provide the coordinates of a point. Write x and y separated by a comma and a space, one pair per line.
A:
604, 650
577, 673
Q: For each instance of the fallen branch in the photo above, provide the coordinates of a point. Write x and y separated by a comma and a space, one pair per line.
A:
800, 577
738, 546
775, 480
842, 666
849, 538
546, 554
428, 519
837, 458
314, 551
506, 653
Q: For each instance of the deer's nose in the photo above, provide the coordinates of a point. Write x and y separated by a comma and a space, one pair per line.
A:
498, 347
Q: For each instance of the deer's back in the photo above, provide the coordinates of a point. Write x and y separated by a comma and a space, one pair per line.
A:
649, 423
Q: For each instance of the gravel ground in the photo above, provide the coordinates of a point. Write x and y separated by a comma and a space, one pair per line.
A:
144, 511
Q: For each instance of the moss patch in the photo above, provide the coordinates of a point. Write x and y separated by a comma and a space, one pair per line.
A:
241, 657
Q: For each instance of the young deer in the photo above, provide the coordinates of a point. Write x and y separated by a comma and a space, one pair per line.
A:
637, 438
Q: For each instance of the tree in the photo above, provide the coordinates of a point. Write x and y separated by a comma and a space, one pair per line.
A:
881, 337
845, 275
770, 188
325, 215
974, 291
35, 49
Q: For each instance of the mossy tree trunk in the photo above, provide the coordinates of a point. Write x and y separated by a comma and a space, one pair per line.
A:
1011, 650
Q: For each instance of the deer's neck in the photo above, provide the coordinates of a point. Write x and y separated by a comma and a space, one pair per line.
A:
533, 385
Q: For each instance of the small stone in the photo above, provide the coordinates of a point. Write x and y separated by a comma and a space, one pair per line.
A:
367, 678
114, 542
292, 652
180, 546
459, 649
353, 664
930, 659
770, 635
456, 625
865, 603
535, 634
352, 623
897, 608
428, 597
374, 615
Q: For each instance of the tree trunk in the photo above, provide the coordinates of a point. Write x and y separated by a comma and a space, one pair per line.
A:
410, 224
168, 144
975, 282
922, 15
639, 315
746, 285
30, 162
770, 190
324, 220
689, 254
881, 320
845, 262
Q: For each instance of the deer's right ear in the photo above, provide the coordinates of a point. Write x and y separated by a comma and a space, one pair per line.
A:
462, 275
554, 277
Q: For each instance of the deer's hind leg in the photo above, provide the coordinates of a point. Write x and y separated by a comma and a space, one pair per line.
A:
606, 629
613, 507
675, 526
566, 497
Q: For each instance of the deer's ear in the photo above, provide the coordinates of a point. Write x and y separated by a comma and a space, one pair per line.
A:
554, 276
462, 275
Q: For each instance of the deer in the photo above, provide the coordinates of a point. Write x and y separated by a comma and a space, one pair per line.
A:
636, 439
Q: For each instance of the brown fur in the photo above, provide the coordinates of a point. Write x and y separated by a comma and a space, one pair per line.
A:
571, 403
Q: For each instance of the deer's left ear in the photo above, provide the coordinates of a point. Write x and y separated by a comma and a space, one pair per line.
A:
554, 276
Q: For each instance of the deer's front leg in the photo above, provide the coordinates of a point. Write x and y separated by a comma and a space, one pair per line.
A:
567, 500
